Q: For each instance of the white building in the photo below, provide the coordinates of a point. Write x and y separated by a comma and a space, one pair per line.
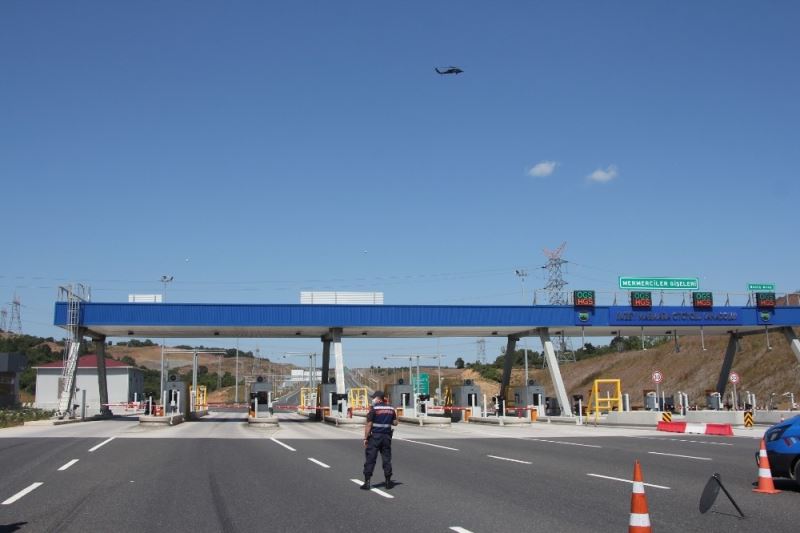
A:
124, 383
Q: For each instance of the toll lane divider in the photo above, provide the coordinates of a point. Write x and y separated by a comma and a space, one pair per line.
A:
725, 430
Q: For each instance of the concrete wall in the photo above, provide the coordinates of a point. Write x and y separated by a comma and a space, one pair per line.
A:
122, 383
735, 418
773, 417
630, 418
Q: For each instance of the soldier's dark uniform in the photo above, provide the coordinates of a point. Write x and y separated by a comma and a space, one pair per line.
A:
382, 417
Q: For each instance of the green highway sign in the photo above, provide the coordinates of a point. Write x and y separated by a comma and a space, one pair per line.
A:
757, 287
659, 284
422, 384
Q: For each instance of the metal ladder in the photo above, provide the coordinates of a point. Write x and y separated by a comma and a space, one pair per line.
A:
66, 390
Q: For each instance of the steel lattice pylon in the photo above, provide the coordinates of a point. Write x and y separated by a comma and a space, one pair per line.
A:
15, 326
557, 296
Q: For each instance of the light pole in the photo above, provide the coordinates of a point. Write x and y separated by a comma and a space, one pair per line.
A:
522, 274
164, 280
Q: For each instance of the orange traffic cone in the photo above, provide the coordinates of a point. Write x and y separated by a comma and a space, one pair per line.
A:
640, 516
765, 484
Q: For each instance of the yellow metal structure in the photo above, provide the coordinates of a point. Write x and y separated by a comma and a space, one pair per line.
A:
308, 398
596, 404
357, 399
200, 399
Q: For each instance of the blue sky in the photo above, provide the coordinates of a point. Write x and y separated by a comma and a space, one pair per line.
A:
256, 149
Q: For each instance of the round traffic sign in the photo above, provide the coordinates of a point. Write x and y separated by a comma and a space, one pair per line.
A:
657, 376
733, 377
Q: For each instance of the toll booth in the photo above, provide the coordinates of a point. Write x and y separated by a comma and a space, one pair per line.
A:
713, 400
176, 400
528, 395
399, 395
551, 406
330, 402
655, 403
261, 398
651, 401
423, 402
466, 396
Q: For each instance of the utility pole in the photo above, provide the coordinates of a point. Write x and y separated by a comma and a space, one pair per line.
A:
236, 400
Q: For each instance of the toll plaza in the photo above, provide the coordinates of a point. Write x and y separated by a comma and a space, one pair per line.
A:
261, 412
333, 323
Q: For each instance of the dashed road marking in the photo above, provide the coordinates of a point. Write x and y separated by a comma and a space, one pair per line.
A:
568, 443
320, 463
629, 481
429, 444
32, 487
276, 441
376, 491
684, 456
458, 529
685, 440
69, 464
508, 459
101, 444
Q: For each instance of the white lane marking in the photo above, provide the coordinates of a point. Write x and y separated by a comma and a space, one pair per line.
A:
320, 463
429, 444
686, 440
507, 459
684, 456
568, 443
460, 529
101, 444
377, 491
69, 464
276, 441
629, 481
23, 492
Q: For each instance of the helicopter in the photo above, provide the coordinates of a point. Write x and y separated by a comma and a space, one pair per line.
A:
449, 70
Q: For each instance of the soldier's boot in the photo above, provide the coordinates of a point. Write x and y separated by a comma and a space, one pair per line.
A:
389, 482
367, 485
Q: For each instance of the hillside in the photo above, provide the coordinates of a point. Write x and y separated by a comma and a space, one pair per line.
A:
692, 370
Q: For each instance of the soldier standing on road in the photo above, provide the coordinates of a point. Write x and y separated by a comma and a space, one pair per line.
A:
378, 438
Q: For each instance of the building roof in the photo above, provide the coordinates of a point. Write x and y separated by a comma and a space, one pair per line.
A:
87, 361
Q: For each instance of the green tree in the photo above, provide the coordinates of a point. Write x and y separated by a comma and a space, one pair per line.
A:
459, 363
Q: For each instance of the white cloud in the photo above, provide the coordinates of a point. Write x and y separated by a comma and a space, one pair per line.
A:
542, 169
604, 176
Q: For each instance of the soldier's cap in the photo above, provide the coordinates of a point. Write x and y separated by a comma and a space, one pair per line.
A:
377, 394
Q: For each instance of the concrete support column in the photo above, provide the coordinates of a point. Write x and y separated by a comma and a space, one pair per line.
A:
793, 341
102, 381
326, 357
336, 338
508, 362
555, 372
727, 364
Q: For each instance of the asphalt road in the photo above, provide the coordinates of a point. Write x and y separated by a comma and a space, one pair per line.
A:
219, 475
